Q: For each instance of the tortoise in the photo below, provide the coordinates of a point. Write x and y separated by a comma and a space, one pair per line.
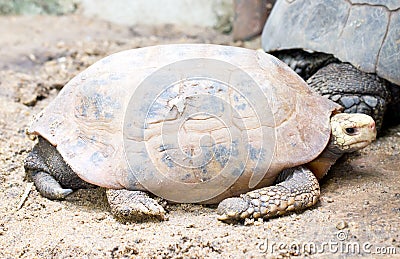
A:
348, 51
194, 123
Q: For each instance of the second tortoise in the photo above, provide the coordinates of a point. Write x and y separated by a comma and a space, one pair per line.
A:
348, 51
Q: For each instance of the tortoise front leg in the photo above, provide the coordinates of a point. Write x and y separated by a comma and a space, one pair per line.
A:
298, 190
356, 91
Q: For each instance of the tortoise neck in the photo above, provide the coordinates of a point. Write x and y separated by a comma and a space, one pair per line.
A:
321, 165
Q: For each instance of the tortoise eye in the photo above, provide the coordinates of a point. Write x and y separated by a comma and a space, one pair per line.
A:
350, 131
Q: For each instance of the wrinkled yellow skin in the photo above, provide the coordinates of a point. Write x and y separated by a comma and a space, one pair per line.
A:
362, 125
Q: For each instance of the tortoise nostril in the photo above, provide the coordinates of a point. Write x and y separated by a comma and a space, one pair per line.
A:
372, 125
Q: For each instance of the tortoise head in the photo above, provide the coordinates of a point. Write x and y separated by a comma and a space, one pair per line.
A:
351, 132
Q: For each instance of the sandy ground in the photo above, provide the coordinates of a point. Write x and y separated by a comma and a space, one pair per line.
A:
358, 214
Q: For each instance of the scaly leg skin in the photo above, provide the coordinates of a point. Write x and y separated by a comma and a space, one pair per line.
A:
356, 91
298, 190
49, 187
305, 64
53, 178
134, 206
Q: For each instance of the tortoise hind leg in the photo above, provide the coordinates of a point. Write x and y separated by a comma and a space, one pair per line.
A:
53, 178
356, 91
46, 184
134, 205
298, 190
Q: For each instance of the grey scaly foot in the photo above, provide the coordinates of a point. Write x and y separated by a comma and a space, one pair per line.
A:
299, 190
49, 187
134, 206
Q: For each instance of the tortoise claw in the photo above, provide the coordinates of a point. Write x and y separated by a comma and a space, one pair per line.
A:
231, 209
134, 206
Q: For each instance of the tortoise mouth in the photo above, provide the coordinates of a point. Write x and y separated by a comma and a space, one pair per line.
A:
366, 142
360, 145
